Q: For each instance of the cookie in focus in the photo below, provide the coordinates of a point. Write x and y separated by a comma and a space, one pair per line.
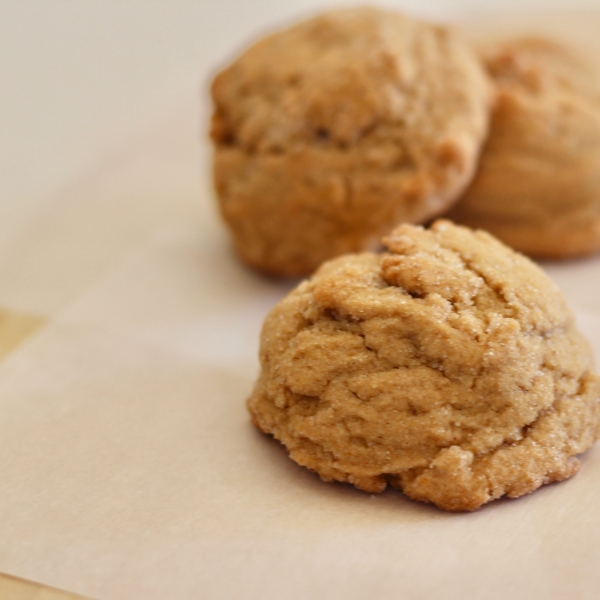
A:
448, 366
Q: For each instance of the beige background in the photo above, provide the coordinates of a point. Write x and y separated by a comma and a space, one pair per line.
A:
129, 468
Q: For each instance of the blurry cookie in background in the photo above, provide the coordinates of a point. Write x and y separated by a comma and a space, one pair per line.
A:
331, 132
538, 184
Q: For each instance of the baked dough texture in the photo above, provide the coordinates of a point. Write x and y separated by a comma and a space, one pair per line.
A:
538, 183
330, 133
448, 366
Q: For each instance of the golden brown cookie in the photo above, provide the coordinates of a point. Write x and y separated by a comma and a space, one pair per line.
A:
448, 366
329, 133
538, 183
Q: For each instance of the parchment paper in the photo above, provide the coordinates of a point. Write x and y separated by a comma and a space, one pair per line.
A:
130, 469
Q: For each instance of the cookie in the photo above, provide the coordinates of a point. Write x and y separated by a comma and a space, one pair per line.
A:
538, 183
448, 367
328, 134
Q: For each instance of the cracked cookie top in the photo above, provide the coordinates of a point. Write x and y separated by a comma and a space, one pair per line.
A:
448, 366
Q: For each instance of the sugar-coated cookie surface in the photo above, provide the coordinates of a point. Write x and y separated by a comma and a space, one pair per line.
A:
331, 132
448, 366
538, 184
